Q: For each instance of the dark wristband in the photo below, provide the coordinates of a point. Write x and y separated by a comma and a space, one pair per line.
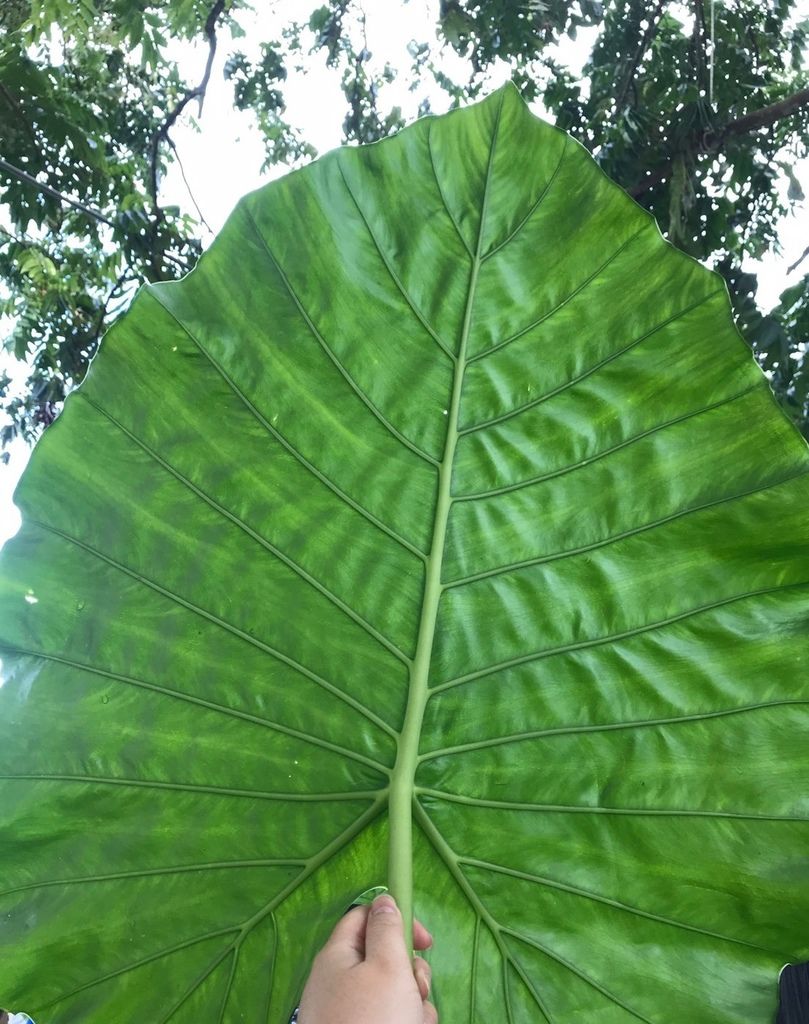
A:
793, 992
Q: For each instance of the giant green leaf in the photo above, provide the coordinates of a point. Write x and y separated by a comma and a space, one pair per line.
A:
440, 519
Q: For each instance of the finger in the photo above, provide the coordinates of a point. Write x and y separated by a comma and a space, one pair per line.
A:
423, 974
384, 935
430, 1014
347, 940
422, 939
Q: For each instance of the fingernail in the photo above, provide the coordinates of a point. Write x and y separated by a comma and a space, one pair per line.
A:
383, 904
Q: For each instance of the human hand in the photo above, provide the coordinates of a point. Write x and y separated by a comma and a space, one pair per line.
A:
364, 974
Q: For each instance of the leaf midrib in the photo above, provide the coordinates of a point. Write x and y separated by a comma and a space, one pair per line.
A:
402, 781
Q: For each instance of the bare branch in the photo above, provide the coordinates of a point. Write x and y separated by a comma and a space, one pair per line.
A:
161, 134
197, 92
799, 260
188, 186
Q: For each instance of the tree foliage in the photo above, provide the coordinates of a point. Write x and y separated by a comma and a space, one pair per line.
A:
697, 109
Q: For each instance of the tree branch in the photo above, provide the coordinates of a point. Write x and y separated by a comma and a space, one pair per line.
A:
161, 133
712, 142
16, 172
14, 238
766, 116
176, 153
197, 92
29, 179
799, 260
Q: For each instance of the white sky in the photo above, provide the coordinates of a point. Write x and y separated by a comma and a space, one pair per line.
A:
222, 159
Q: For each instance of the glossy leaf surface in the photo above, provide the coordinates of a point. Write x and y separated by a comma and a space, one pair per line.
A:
407, 499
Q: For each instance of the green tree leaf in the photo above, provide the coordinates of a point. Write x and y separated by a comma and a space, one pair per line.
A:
441, 519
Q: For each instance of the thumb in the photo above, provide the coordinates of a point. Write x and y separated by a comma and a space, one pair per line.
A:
384, 936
